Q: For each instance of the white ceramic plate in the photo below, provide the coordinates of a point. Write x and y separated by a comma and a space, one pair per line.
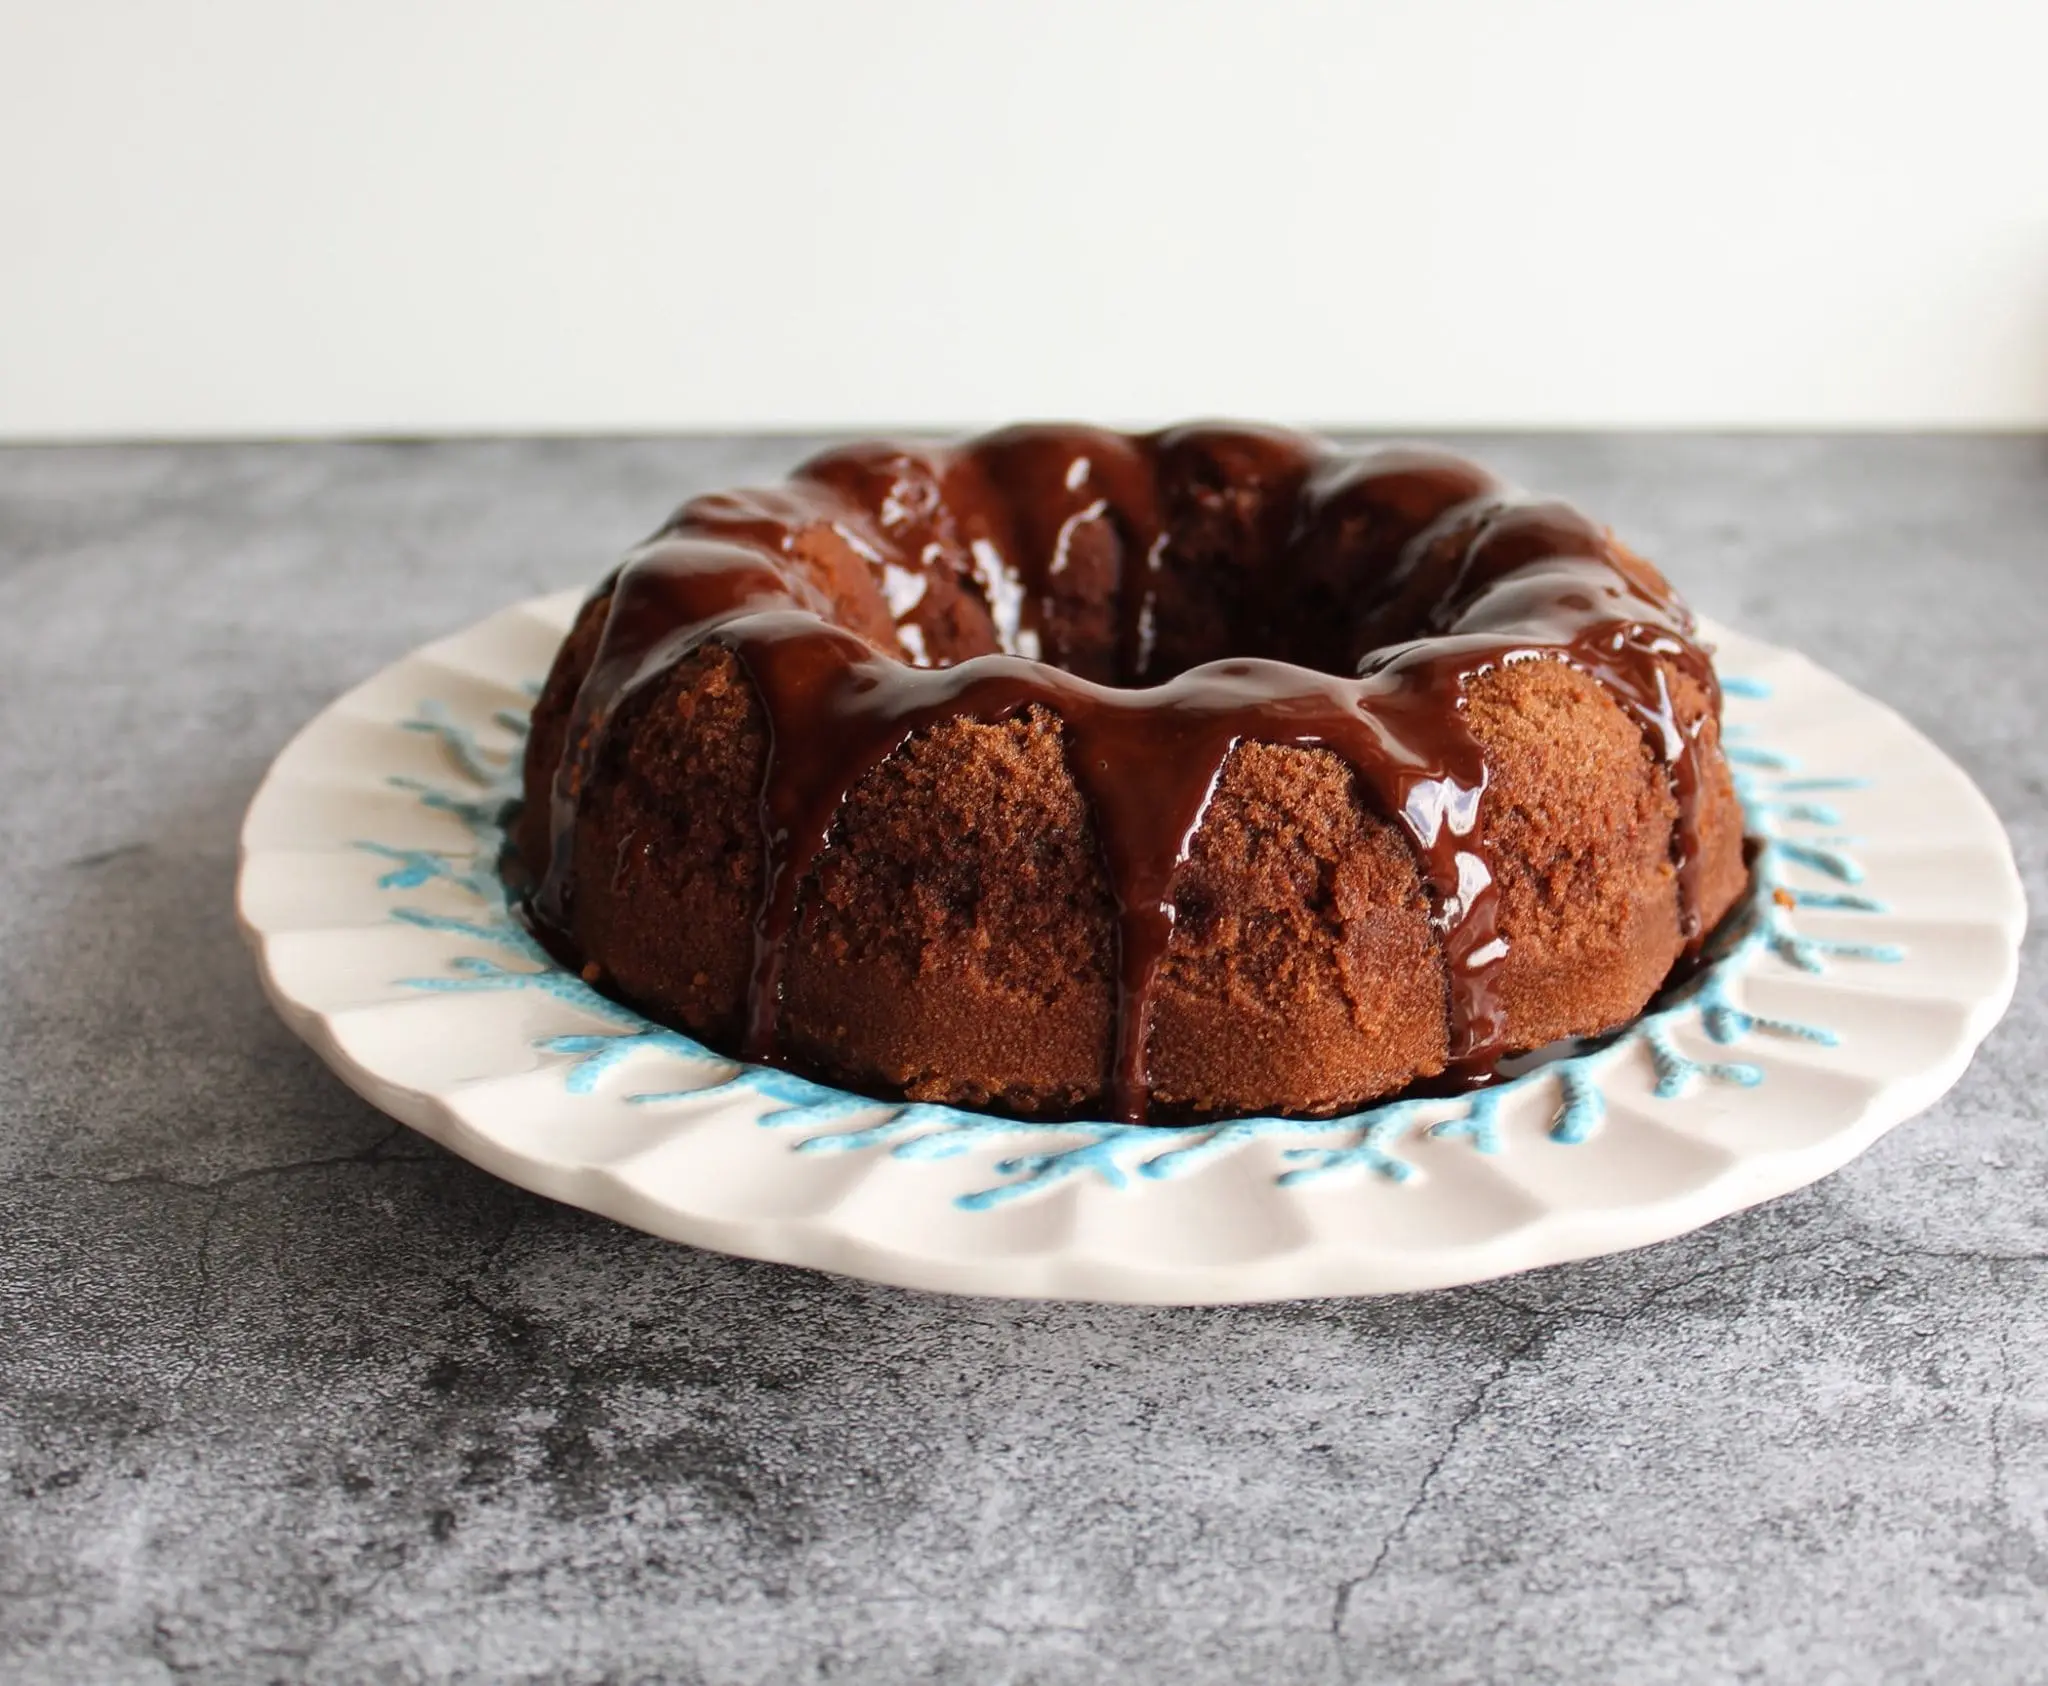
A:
1880, 948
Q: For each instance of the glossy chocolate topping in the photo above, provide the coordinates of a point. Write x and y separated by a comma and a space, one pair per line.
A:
1168, 597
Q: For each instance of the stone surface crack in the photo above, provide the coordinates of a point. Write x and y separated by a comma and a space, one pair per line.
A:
1859, 1245
203, 1289
374, 1154
105, 857
1963, 1255
1652, 1296
1996, 1425
507, 1322
1347, 1590
162, 1648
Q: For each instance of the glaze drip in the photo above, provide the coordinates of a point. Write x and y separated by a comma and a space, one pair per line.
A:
1344, 602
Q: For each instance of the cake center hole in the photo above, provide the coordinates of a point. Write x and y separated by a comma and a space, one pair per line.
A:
1086, 613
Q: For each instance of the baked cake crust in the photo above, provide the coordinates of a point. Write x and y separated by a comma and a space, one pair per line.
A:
1192, 774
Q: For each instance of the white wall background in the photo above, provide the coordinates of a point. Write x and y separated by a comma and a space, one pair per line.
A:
247, 216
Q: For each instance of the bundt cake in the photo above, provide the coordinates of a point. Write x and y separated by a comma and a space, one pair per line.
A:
1186, 775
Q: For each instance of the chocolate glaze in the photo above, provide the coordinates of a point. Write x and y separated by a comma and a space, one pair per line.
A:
1331, 600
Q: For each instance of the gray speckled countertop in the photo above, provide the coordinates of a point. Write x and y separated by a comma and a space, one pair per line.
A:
287, 1394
